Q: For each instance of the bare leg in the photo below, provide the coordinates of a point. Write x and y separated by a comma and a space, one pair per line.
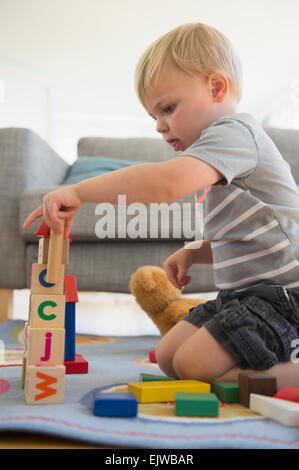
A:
170, 342
201, 357
286, 373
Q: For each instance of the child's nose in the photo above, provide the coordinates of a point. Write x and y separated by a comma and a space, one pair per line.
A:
161, 126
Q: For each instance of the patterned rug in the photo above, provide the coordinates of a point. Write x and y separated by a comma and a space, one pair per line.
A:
113, 362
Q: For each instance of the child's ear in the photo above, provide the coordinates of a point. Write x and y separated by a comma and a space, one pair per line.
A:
219, 86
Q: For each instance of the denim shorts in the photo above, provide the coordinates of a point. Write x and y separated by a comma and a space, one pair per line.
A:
255, 325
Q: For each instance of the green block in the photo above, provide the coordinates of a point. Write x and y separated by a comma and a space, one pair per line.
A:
196, 404
153, 378
226, 391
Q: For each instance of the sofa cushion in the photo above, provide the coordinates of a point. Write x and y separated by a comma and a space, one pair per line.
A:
87, 167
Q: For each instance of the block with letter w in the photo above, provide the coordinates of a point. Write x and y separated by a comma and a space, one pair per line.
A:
49, 380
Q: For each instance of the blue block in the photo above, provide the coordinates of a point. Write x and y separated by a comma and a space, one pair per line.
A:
70, 331
115, 404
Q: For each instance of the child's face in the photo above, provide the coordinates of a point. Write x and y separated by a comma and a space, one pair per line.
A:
183, 107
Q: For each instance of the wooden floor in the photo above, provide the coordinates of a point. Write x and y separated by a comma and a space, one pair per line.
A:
14, 440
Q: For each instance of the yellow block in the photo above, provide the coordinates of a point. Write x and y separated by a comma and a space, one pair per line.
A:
152, 392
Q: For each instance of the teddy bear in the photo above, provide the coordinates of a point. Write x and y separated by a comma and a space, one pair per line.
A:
159, 298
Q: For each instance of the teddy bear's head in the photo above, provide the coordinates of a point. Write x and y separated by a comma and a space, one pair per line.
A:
152, 289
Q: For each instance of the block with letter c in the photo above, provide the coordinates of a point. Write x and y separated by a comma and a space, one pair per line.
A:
39, 284
47, 311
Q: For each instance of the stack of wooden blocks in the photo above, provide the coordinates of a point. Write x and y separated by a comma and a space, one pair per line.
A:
49, 349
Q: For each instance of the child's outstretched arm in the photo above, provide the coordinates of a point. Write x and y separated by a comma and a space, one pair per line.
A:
147, 183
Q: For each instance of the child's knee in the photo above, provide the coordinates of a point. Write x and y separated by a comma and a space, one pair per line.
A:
183, 368
164, 358
187, 369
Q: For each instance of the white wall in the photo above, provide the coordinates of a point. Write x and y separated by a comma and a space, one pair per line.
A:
24, 98
85, 52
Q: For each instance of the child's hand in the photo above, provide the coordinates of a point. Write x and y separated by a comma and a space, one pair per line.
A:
59, 204
177, 265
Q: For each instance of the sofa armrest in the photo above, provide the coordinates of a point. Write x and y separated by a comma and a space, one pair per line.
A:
27, 161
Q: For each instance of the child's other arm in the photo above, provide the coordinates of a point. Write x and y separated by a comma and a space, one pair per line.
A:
176, 265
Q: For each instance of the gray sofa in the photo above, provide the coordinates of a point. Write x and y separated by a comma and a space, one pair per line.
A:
30, 169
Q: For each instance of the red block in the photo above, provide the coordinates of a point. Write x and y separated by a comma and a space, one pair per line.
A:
70, 288
78, 366
44, 231
152, 356
288, 393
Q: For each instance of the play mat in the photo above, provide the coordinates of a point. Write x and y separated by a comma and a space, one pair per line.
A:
113, 362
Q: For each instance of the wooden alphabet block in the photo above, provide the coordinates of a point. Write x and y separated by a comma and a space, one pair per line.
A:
150, 392
47, 311
45, 346
283, 411
39, 284
43, 251
44, 384
253, 382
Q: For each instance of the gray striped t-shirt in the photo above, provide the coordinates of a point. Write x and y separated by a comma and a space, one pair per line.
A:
250, 216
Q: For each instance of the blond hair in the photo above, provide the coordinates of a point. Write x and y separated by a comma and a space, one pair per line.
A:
194, 48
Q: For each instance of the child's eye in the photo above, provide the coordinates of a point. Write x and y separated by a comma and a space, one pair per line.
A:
169, 109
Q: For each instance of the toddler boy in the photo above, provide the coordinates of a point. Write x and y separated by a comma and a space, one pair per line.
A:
189, 81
